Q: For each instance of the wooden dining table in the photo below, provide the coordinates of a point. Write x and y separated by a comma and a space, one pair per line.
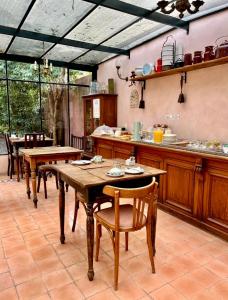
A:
19, 142
34, 156
89, 180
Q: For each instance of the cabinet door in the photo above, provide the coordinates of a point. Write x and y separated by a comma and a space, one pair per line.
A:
215, 201
178, 185
105, 150
88, 117
122, 150
151, 159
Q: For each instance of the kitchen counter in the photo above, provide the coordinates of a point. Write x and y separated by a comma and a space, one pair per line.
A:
201, 152
195, 187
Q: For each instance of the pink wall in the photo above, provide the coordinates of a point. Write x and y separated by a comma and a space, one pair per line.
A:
205, 113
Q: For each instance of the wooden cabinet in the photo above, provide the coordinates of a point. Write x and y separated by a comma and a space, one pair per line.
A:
99, 109
195, 187
215, 200
178, 185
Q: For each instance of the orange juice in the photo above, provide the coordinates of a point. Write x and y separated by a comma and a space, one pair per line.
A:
158, 136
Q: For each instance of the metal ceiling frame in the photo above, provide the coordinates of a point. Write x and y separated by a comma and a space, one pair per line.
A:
142, 13
21, 23
72, 28
117, 5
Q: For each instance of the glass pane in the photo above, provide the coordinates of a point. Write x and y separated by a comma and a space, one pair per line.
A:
4, 42
93, 57
57, 75
22, 71
4, 117
148, 4
28, 47
55, 17
100, 24
55, 121
80, 77
136, 34
24, 107
64, 53
12, 11
2, 69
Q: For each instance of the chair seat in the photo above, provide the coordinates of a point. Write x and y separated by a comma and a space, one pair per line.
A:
126, 220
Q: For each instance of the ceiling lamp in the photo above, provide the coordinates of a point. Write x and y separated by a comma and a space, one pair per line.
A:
46, 69
181, 6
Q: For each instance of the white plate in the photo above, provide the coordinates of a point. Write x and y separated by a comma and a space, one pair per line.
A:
136, 170
112, 175
81, 162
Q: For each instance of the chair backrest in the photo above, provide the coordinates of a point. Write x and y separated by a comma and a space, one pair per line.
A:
8, 144
34, 140
78, 142
144, 202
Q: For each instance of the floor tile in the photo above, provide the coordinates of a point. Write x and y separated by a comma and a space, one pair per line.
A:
31, 289
68, 292
128, 289
5, 281
104, 295
166, 292
89, 288
9, 294
56, 279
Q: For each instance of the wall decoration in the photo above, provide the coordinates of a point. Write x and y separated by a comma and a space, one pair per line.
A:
134, 99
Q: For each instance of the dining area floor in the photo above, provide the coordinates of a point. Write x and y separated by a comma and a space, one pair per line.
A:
190, 263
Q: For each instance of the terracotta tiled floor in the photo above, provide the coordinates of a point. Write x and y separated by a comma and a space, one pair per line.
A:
190, 263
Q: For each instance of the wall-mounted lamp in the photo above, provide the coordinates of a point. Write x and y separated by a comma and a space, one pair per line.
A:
119, 75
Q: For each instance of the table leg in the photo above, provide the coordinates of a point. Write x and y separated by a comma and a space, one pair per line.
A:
17, 163
27, 178
90, 239
61, 209
33, 176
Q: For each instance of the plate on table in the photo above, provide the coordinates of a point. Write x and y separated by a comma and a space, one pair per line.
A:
115, 175
134, 171
81, 162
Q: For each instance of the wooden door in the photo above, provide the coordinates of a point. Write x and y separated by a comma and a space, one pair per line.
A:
215, 200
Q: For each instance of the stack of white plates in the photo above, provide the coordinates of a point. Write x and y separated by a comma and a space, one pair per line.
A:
169, 138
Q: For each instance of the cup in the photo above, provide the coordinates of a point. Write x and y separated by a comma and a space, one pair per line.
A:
188, 59
97, 159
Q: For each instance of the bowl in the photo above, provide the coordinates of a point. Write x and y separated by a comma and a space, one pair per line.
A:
225, 148
139, 71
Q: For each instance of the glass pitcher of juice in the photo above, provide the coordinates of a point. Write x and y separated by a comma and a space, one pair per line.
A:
158, 135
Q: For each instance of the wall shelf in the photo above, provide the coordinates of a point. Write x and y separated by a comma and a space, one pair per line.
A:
207, 64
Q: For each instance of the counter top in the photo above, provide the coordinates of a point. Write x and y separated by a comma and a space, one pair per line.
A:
177, 148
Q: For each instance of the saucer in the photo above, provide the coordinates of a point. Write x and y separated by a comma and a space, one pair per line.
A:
113, 175
81, 162
136, 170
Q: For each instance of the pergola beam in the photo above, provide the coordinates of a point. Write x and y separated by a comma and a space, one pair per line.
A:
56, 40
142, 13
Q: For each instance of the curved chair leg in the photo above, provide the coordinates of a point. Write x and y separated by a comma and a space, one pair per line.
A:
45, 184
150, 247
98, 237
11, 168
8, 170
126, 241
75, 212
56, 182
38, 181
116, 270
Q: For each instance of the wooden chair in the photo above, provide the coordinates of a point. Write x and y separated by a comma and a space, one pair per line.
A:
34, 140
127, 218
12, 158
79, 142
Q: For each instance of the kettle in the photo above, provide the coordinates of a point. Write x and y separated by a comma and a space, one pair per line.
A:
222, 49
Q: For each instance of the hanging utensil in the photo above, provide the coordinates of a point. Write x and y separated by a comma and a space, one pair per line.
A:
142, 102
181, 98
